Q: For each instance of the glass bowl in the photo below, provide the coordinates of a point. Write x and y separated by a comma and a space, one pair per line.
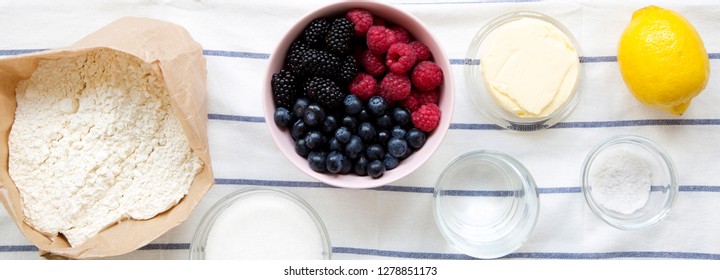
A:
629, 182
248, 224
479, 89
486, 204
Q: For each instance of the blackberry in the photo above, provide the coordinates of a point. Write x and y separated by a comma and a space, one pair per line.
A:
284, 89
325, 92
340, 35
295, 56
314, 34
317, 63
348, 70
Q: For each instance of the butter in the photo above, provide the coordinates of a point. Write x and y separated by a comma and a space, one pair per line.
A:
530, 67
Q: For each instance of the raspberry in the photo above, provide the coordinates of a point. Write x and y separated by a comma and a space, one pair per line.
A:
395, 87
427, 118
403, 36
411, 102
428, 97
380, 38
284, 89
426, 76
422, 52
373, 63
325, 92
364, 86
362, 19
400, 58
339, 36
315, 32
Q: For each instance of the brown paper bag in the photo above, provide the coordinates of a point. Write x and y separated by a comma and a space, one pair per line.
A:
179, 59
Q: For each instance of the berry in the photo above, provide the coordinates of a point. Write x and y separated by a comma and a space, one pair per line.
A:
301, 148
298, 130
395, 87
373, 63
397, 147
384, 121
376, 106
382, 137
330, 124
325, 92
363, 86
335, 145
374, 152
426, 118
316, 160
428, 97
422, 52
283, 118
427, 76
313, 115
295, 56
334, 162
343, 134
347, 166
401, 116
390, 162
362, 19
375, 169
380, 38
314, 139
354, 147
366, 132
415, 138
348, 70
315, 32
400, 58
339, 36
363, 115
360, 167
403, 36
350, 122
299, 107
411, 102
320, 63
352, 103
398, 132
284, 88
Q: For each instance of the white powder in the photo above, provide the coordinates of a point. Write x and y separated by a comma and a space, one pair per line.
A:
264, 227
621, 182
95, 141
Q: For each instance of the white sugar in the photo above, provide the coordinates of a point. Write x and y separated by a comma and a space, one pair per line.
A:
264, 227
621, 182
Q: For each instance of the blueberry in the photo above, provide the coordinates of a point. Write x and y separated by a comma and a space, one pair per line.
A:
363, 115
415, 138
298, 130
350, 122
354, 147
360, 166
352, 103
401, 116
300, 106
301, 149
330, 124
377, 106
366, 132
335, 162
374, 152
384, 122
390, 162
283, 118
375, 169
397, 147
398, 132
347, 166
335, 145
343, 134
382, 137
317, 161
313, 115
314, 139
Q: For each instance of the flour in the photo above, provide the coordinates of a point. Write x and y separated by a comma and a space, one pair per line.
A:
95, 141
621, 182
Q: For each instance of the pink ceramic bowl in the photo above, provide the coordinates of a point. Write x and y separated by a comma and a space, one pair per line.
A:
420, 32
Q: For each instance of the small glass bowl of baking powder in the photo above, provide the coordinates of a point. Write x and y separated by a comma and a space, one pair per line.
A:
629, 182
486, 204
261, 224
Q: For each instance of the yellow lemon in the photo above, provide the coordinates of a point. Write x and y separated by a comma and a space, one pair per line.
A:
663, 59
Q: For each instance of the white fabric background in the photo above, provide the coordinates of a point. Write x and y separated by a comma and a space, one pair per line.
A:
397, 221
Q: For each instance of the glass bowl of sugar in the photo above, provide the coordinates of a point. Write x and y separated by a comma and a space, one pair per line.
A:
261, 224
629, 182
